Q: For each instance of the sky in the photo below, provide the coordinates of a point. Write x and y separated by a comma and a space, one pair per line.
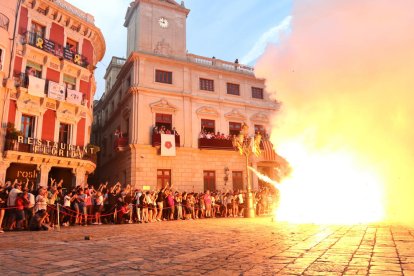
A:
228, 30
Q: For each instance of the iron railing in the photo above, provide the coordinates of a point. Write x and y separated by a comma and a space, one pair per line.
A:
156, 140
12, 144
56, 49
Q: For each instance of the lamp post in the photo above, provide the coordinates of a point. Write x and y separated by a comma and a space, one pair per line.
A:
246, 146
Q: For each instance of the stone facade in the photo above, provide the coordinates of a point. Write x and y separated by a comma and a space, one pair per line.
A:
196, 88
47, 88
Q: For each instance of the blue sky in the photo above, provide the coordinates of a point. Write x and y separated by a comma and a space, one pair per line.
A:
226, 29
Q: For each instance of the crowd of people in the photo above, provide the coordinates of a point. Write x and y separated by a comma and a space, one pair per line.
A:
211, 135
22, 207
164, 130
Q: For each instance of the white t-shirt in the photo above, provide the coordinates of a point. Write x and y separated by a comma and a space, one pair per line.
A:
11, 201
149, 199
41, 203
240, 199
99, 200
66, 201
32, 200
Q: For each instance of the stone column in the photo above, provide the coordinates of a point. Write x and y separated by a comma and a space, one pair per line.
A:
80, 174
133, 119
4, 165
44, 174
133, 165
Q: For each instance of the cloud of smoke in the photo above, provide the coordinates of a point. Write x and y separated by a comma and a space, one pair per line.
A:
345, 78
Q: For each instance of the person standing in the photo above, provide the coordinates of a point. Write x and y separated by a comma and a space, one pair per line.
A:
160, 203
99, 201
207, 203
178, 205
3, 205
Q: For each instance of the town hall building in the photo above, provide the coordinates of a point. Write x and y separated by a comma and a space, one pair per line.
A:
166, 115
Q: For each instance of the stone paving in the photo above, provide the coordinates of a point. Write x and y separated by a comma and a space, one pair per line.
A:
212, 247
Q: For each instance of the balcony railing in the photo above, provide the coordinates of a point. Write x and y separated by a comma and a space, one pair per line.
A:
22, 80
220, 64
156, 140
220, 144
121, 144
4, 22
56, 49
13, 144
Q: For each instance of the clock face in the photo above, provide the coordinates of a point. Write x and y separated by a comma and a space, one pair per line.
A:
163, 22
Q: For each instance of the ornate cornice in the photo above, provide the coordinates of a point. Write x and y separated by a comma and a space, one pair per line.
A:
260, 118
164, 106
235, 115
207, 111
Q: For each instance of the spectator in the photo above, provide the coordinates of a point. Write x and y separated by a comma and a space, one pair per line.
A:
37, 222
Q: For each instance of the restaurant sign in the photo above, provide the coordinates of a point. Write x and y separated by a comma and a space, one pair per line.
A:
55, 148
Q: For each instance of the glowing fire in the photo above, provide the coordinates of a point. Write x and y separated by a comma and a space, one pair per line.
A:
345, 82
329, 187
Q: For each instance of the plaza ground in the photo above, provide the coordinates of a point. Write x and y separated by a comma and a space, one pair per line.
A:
234, 246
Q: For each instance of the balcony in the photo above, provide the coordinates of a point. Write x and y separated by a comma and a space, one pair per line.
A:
215, 144
220, 64
57, 92
121, 143
56, 49
30, 145
156, 140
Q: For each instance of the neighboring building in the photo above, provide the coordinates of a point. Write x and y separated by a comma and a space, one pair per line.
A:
47, 91
160, 84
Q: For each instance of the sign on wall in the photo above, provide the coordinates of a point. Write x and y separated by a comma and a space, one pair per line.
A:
22, 172
56, 91
36, 86
54, 148
74, 97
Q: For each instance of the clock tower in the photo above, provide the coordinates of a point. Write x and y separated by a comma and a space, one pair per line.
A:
157, 27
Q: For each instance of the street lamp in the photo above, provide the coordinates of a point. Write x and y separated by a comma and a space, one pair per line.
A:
246, 146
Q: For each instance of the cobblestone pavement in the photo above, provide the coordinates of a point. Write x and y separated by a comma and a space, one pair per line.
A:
213, 247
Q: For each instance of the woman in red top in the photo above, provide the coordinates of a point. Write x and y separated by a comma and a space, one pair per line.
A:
20, 202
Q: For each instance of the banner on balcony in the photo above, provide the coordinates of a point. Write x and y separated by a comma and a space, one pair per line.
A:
56, 91
269, 152
74, 97
167, 145
36, 86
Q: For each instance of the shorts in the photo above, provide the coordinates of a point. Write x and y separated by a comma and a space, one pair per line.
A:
98, 208
19, 214
83, 209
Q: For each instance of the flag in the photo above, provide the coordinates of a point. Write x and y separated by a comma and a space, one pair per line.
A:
268, 151
256, 144
167, 145
74, 97
36, 86
56, 91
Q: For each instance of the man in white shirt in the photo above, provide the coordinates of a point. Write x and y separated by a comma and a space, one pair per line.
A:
11, 201
41, 200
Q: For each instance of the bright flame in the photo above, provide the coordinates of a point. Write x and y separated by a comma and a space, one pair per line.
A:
344, 75
328, 187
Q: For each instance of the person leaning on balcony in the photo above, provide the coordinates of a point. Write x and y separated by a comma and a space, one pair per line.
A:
29, 72
174, 131
162, 130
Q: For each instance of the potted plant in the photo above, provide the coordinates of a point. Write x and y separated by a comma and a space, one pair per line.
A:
12, 133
